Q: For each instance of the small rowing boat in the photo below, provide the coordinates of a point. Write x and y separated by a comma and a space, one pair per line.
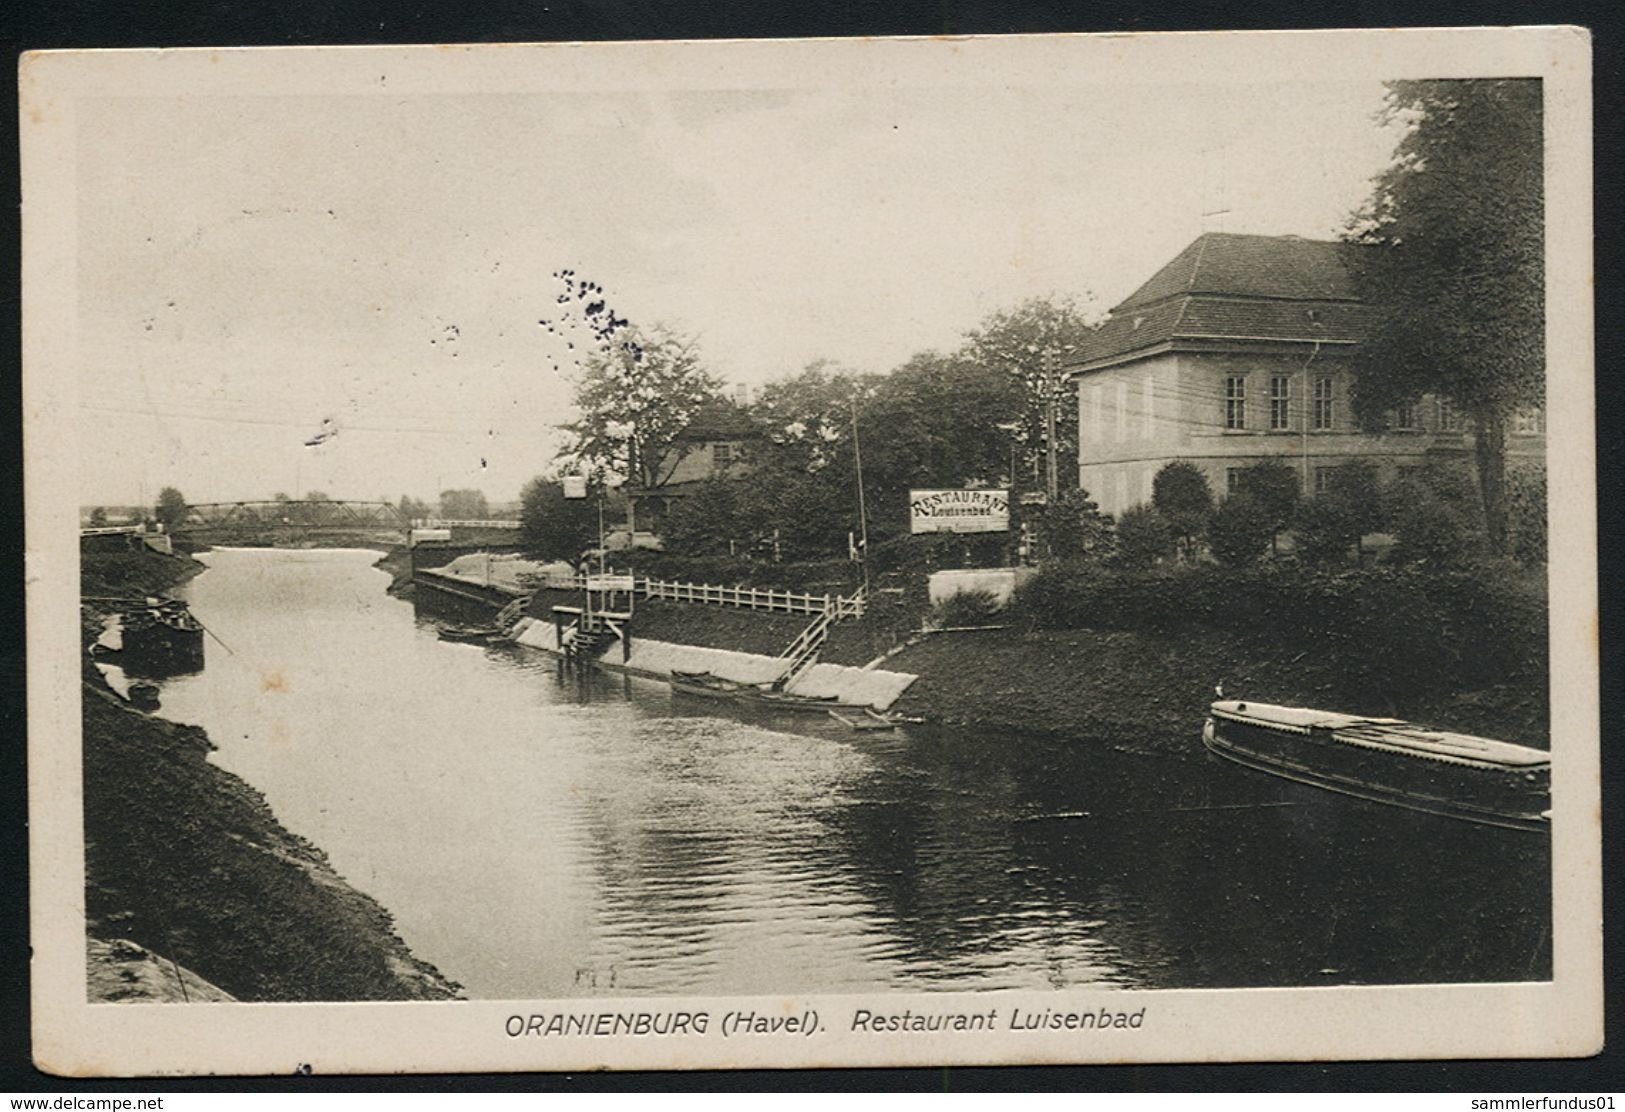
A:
1388, 761
871, 720
706, 685
465, 636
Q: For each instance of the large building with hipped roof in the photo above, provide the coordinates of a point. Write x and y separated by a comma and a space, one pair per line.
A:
1238, 350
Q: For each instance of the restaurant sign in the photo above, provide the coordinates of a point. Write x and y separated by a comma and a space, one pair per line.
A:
958, 511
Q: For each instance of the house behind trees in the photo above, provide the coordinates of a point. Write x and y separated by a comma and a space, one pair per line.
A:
1236, 351
721, 441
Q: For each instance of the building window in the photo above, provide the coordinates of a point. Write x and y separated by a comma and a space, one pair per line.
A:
1235, 479
1405, 417
1529, 422
1323, 408
1235, 402
722, 456
1280, 402
1449, 416
1325, 479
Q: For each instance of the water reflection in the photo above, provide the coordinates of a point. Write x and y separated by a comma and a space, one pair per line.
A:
539, 831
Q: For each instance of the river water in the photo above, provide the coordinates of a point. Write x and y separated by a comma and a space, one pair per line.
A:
542, 833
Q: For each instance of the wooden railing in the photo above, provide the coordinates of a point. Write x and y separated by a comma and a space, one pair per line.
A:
744, 598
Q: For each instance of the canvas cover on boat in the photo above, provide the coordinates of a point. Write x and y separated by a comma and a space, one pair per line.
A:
1388, 732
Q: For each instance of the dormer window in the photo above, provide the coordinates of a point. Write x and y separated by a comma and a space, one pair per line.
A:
722, 456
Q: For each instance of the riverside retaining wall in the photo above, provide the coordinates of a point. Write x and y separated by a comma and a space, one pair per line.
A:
854, 687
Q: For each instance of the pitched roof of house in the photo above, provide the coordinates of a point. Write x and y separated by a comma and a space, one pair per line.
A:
1238, 287
720, 420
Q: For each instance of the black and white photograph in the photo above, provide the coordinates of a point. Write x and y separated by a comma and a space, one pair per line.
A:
812, 553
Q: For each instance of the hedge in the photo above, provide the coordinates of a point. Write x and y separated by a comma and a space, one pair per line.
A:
1404, 629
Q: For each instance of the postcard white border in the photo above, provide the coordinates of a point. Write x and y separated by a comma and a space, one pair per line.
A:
1561, 1018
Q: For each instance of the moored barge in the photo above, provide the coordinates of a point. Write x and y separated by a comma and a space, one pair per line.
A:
1387, 760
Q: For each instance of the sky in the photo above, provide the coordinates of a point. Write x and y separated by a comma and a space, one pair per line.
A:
256, 272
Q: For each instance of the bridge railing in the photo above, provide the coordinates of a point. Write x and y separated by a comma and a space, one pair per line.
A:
111, 530
446, 523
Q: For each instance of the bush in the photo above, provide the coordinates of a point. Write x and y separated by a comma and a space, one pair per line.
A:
1526, 488
1074, 526
1144, 538
1393, 631
1272, 484
1239, 531
966, 608
1181, 495
1324, 530
1433, 530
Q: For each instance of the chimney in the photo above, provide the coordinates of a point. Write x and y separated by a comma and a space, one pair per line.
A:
741, 395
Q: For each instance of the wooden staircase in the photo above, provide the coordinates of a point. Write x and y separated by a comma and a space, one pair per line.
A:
589, 635
803, 651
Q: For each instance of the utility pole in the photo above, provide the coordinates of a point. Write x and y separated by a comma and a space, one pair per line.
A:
863, 513
1052, 475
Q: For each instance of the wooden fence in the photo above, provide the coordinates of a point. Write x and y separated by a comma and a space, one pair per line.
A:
745, 598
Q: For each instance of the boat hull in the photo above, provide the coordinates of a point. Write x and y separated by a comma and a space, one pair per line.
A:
706, 686
1511, 798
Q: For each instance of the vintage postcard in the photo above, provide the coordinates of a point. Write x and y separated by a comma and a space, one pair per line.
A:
1050, 549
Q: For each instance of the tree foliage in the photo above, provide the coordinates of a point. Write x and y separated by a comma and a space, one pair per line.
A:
1144, 537
1073, 526
1328, 527
1431, 529
1323, 530
1453, 259
1240, 530
1181, 494
553, 527
1272, 485
463, 505
709, 522
1031, 344
635, 398
171, 508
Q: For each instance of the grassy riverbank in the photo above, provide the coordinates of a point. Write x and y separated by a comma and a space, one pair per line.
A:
188, 862
1139, 689
133, 574
1149, 692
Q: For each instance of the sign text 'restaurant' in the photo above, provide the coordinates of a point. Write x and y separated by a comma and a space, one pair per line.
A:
958, 511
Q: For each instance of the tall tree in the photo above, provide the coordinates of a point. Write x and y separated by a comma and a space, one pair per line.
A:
1032, 343
171, 508
636, 396
1453, 260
